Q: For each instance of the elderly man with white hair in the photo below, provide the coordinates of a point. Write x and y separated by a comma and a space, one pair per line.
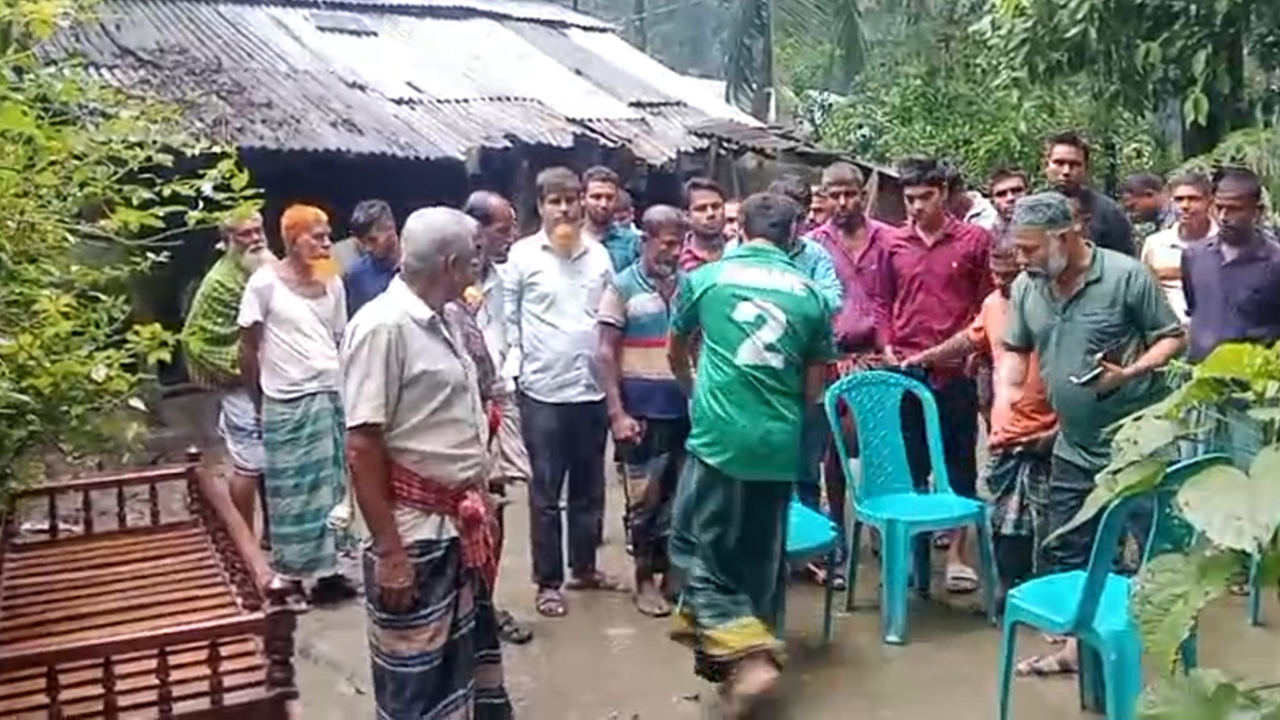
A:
416, 442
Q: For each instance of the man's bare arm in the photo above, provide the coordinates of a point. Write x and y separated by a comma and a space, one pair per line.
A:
681, 361
1156, 356
250, 368
1011, 375
610, 374
956, 347
371, 481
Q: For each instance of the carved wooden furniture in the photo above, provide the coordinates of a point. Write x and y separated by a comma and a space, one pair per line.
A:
151, 617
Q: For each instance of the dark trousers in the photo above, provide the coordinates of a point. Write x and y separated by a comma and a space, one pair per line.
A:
652, 468
815, 452
957, 402
564, 440
1069, 485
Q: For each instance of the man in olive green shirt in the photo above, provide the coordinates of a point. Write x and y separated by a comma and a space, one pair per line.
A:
1080, 307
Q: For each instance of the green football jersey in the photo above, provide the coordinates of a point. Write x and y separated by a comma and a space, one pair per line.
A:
762, 323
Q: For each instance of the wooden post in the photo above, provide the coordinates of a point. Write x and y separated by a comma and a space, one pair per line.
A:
281, 623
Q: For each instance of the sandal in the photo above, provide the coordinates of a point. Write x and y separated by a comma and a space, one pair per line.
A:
649, 601
595, 582
550, 603
838, 581
818, 574
332, 590
1045, 666
510, 631
961, 579
296, 600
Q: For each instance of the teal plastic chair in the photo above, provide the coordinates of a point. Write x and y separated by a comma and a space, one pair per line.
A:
1255, 591
810, 534
1093, 604
884, 497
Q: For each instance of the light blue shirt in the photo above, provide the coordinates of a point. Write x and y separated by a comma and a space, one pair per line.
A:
816, 264
550, 303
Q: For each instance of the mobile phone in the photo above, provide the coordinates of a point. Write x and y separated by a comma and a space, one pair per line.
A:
1088, 377
1096, 361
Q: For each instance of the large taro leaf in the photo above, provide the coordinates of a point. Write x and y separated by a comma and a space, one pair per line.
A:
1235, 510
1205, 695
1134, 479
1242, 361
1147, 436
1171, 591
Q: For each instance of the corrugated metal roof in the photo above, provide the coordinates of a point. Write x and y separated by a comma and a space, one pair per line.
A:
537, 12
614, 49
624, 85
389, 82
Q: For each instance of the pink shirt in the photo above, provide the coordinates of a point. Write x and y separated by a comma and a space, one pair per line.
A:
861, 280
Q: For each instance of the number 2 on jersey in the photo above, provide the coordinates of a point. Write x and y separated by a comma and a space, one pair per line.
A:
759, 348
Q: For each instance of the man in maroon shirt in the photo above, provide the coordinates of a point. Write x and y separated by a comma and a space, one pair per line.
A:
934, 275
856, 244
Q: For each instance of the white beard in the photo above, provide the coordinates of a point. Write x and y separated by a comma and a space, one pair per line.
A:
251, 261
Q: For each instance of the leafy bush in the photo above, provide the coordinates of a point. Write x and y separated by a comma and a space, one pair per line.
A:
89, 181
966, 106
1237, 510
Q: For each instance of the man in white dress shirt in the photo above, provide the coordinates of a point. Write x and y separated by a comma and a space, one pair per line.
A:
552, 285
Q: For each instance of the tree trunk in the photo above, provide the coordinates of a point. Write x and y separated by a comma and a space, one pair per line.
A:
762, 100
1228, 108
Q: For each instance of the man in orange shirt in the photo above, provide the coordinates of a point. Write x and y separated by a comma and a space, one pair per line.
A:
1020, 443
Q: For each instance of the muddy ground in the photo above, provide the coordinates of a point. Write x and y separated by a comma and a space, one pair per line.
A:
604, 661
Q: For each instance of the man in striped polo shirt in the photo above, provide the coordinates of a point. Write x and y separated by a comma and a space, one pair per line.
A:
648, 411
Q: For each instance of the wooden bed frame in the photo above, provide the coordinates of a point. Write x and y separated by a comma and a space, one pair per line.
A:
167, 618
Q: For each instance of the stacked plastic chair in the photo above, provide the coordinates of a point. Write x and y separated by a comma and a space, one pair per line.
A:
1093, 604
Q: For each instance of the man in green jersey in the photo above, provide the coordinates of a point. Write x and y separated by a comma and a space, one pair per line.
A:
766, 340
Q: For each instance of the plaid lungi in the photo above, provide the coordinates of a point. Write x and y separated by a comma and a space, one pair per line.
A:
305, 477
1018, 481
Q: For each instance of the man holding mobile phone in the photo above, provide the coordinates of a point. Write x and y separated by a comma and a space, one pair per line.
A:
1082, 310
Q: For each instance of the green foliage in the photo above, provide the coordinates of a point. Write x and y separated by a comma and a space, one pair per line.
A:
1257, 148
963, 105
1172, 590
1235, 510
1132, 52
1208, 695
88, 185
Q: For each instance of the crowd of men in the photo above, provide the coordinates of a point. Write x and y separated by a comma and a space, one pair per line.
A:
438, 362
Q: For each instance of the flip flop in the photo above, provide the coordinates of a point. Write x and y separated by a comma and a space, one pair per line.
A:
651, 604
511, 631
961, 579
818, 574
550, 603
1044, 666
